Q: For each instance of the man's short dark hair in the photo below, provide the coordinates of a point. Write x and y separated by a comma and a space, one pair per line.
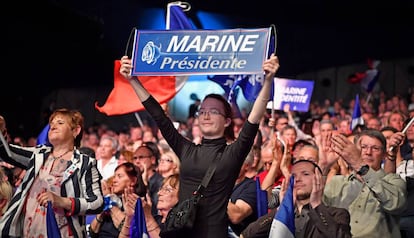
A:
309, 161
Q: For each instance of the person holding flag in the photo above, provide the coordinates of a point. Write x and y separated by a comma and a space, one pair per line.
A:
58, 175
302, 212
215, 121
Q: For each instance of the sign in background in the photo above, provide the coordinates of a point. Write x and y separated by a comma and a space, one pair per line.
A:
192, 52
296, 93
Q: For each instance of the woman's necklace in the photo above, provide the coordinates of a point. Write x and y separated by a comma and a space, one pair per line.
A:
60, 156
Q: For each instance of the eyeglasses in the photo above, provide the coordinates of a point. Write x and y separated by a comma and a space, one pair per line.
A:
373, 148
204, 112
165, 160
141, 157
267, 163
166, 189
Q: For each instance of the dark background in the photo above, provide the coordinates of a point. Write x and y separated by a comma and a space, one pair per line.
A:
49, 45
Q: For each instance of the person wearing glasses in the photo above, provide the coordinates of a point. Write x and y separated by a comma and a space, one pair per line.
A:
146, 158
168, 198
374, 198
168, 164
215, 119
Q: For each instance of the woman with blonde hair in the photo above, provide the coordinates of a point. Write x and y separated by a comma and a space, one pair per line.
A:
168, 164
6, 192
168, 198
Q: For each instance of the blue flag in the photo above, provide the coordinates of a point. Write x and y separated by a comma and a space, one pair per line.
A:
283, 225
176, 18
138, 225
261, 199
356, 115
250, 85
42, 138
225, 81
52, 227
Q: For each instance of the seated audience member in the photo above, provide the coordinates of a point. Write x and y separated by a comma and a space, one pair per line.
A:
398, 120
242, 206
326, 127
168, 164
389, 164
312, 217
299, 145
254, 162
111, 220
288, 136
279, 169
125, 156
305, 152
267, 155
106, 156
374, 123
124, 139
146, 159
373, 198
344, 126
167, 199
300, 135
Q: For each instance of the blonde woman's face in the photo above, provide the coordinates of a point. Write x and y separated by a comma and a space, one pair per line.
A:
166, 163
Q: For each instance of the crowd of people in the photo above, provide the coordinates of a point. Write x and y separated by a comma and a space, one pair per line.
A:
347, 182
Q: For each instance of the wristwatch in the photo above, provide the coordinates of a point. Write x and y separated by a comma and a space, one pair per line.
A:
363, 170
391, 157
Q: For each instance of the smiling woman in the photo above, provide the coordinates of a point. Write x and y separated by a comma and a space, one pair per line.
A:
112, 219
169, 164
168, 198
63, 168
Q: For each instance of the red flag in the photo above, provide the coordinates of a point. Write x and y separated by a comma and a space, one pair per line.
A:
123, 100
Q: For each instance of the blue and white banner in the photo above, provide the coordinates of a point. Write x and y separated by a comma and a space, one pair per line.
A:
296, 93
200, 52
